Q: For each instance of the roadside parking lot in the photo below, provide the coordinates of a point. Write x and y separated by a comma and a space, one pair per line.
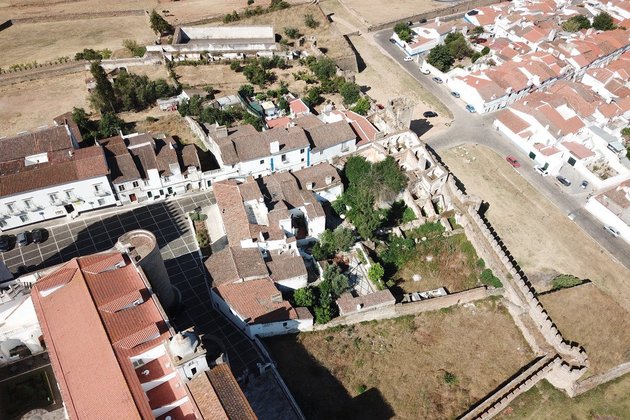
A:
167, 220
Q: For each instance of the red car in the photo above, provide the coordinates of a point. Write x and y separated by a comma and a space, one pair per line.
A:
512, 161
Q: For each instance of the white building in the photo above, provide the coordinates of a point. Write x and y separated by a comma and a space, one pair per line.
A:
144, 168
218, 42
45, 175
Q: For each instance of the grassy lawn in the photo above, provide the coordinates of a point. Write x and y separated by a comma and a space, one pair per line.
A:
608, 401
433, 365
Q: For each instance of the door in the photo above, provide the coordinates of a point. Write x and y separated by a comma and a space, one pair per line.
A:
132, 197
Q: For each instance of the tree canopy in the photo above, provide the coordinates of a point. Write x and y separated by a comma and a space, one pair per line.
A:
333, 241
441, 58
403, 31
323, 68
576, 23
603, 22
159, 25
350, 92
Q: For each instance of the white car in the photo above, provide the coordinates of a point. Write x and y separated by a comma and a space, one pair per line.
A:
408, 58
614, 232
541, 171
425, 71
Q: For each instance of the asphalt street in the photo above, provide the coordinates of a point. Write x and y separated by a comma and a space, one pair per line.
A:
469, 128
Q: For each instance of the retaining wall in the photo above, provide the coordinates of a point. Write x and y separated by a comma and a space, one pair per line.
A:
399, 309
46, 70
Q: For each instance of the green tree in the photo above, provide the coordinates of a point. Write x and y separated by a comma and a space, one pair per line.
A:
357, 170
312, 97
458, 46
408, 215
625, 132
376, 273
323, 68
88, 54
310, 21
235, 66
485, 51
322, 314
110, 125
350, 92
403, 31
292, 32
441, 58
338, 282
476, 56
304, 297
477, 30
246, 90
159, 25
87, 127
603, 22
576, 23
283, 104
388, 175
103, 98
362, 106
133, 47
252, 120
565, 281
256, 74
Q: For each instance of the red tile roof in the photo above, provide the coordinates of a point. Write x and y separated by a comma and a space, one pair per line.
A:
578, 150
512, 121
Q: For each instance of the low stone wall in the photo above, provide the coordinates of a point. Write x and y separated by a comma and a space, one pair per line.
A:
45, 71
399, 309
115, 63
79, 16
590, 383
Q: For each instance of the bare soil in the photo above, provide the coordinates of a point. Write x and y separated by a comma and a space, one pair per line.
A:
25, 106
541, 238
398, 368
374, 12
48, 41
168, 122
592, 318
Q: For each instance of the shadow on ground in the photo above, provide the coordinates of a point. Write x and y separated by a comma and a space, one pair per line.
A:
318, 393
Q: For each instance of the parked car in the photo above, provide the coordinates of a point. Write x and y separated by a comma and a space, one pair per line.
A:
614, 232
392, 40
541, 170
470, 109
5, 243
23, 238
423, 20
512, 161
455, 94
425, 71
563, 181
438, 80
408, 58
39, 235
429, 114
584, 184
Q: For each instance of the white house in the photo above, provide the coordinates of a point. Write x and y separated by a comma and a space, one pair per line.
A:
45, 175
144, 168
323, 179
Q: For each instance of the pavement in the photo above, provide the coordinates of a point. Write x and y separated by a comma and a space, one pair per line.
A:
472, 128
98, 231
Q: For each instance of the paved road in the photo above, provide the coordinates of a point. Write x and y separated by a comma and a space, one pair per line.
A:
467, 128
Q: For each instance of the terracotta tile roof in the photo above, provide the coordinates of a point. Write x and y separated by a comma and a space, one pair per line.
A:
256, 301
190, 157
62, 168
308, 121
278, 122
66, 119
247, 147
512, 121
232, 211
91, 354
165, 154
233, 264
298, 107
250, 190
286, 265
49, 139
229, 393
547, 150
317, 175
361, 126
578, 150
206, 397
329, 135
348, 303
283, 188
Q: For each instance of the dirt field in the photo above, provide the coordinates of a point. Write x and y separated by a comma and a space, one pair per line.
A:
399, 367
373, 11
28, 105
543, 402
602, 327
541, 238
42, 42
170, 123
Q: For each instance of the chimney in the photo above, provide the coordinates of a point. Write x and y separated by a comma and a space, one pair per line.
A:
309, 185
276, 298
70, 153
359, 306
274, 147
329, 180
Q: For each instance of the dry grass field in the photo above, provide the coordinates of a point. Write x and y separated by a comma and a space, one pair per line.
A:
374, 13
541, 238
433, 365
595, 321
42, 42
610, 401
28, 105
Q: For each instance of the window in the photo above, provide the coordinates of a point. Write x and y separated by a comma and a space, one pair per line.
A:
28, 203
284, 324
170, 190
135, 184
101, 201
301, 150
98, 188
149, 194
121, 188
262, 161
302, 160
284, 158
53, 197
24, 217
209, 183
11, 207
69, 194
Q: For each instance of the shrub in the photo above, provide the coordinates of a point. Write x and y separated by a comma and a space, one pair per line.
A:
231, 17
304, 297
564, 281
362, 106
403, 31
485, 51
151, 119
450, 378
351, 92
159, 25
361, 389
235, 65
291, 32
476, 56
250, 2
489, 279
133, 47
576, 23
322, 314
408, 215
310, 21
603, 22
375, 274
481, 263
203, 239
